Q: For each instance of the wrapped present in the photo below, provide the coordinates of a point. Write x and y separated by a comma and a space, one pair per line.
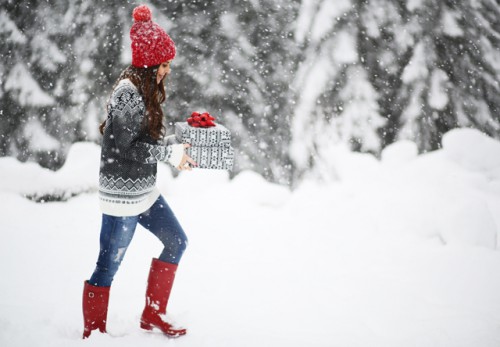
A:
210, 142
213, 157
217, 135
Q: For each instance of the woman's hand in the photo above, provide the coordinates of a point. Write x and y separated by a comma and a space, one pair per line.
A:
187, 163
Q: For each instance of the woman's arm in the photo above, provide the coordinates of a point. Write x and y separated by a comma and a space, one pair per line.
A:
127, 111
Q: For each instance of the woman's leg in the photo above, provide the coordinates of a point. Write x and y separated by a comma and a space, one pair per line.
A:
161, 221
116, 234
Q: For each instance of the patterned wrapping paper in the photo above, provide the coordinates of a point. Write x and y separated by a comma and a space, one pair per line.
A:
210, 147
215, 158
218, 135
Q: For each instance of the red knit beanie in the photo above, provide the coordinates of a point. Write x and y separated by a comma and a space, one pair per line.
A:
151, 45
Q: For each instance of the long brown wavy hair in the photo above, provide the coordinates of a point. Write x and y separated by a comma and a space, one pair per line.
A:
153, 95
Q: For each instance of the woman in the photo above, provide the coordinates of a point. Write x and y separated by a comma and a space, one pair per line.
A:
131, 148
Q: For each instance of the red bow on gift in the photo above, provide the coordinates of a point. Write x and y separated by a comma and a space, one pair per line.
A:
203, 120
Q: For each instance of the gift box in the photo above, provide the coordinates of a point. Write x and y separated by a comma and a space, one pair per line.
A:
213, 157
217, 135
210, 145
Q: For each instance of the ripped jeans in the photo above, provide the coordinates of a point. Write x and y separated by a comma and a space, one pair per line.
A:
117, 232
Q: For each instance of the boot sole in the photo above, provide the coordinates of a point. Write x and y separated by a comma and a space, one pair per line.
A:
150, 327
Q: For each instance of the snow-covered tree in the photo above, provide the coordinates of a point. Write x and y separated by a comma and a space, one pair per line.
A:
452, 77
359, 117
57, 62
435, 64
335, 95
291, 79
432, 66
20, 92
235, 60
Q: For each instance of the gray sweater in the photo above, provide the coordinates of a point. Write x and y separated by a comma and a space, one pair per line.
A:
129, 156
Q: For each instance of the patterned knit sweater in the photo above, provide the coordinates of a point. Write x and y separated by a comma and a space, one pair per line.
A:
129, 156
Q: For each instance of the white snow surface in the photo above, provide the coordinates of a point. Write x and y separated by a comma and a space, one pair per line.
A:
400, 251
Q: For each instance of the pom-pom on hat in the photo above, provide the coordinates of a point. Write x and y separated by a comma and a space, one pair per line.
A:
151, 45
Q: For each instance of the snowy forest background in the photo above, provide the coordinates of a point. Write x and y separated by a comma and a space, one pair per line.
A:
289, 78
385, 248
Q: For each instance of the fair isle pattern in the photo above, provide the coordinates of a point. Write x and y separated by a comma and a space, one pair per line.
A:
129, 156
125, 111
115, 205
153, 154
211, 147
127, 186
158, 153
118, 201
214, 158
215, 136
126, 99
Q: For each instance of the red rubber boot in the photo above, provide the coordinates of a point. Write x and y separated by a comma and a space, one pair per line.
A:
95, 308
160, 281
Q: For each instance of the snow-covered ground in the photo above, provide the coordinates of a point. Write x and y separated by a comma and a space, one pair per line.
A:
401, 251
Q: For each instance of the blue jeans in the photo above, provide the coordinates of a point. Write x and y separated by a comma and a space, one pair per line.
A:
117, 232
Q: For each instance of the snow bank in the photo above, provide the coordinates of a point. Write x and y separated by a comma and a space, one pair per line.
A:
79, 174
399, 153
473, 150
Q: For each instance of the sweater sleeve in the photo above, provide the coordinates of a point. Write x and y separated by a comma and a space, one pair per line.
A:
126, 110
